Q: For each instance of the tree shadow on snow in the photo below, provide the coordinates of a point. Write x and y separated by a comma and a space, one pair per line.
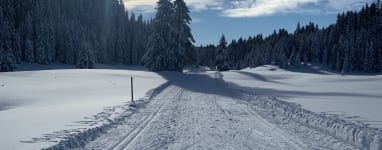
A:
208, 83
325, 70
258, 77
312, 69
213, 83
289, 93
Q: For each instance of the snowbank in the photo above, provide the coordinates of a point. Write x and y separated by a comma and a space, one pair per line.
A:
361, 136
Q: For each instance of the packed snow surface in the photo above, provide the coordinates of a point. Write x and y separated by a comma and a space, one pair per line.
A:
199, 109
54, 102
353, 97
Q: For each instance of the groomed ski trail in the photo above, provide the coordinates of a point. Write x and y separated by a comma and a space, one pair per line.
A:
198, 112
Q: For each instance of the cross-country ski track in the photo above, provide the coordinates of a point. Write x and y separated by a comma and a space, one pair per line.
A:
198, 111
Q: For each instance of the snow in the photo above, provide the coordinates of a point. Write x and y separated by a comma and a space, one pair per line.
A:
38, 107
356, 97
206, 115
200, 108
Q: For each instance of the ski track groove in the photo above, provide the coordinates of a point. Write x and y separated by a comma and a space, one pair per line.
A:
228, 124
124, 143
256, 118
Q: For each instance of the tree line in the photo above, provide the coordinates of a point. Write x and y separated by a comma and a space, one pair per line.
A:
86, 32
353, 43
78, 32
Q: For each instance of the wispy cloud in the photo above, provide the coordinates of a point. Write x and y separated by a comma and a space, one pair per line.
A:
195, 5
200, 5
197, 20
344, 5
141, 5
257, 8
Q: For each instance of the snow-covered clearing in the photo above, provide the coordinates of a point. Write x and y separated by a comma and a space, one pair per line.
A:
40, 107
356, 98
197, 111
200, 109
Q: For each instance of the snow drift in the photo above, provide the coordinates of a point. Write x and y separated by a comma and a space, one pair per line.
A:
361, 136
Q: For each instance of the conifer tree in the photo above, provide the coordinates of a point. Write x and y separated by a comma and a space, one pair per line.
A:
86, 57
163, 53
155, 58
183, 31
7, 58
221, 55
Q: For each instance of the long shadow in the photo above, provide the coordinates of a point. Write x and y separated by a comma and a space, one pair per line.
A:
200, 83
288, 94
60, 66
38, 67
120, 67
325, 70
312, 69
258, 77
213, 83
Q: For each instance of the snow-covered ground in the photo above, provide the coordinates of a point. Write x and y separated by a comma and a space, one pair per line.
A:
200, 109
197, 111
39, 107
356, 98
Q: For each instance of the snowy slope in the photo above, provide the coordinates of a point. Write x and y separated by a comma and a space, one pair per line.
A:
356, 98
39, 107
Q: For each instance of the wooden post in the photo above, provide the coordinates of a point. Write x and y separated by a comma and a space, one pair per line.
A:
132, 91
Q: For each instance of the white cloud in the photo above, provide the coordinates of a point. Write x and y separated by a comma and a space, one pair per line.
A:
200, 5
141, 5
195, 5
197, 20
255, 8
344, 5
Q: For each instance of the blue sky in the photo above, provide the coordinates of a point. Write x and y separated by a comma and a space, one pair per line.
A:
243, 18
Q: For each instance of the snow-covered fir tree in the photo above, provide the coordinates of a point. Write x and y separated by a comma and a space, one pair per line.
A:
28, 44
185, 39
40, 31
171, 39
221, 55
86, 57
7, 58
29, 53
157, 57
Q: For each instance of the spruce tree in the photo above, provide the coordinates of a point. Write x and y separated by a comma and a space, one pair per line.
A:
7, 58
86, 57
29, 51
183, 31
163, 53
221, 55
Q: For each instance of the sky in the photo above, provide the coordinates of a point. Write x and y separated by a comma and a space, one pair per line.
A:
244, 18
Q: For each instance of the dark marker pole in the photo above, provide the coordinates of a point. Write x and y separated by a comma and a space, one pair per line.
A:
132, 96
